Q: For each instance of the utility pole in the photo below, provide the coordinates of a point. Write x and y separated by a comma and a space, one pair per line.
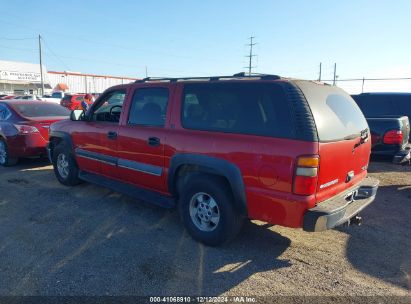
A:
335, 73
319, 75
251, 44
146, 72
41, 68
362, 87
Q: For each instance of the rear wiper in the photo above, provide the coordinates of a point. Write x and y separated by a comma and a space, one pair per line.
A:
352, 136
363, 134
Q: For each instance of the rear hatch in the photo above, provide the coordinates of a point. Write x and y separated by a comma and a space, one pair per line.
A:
344, 138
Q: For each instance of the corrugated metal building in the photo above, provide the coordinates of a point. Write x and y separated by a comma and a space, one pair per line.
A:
24, 78
86, 83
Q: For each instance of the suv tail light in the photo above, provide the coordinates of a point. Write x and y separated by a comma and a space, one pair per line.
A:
306, 175
25, 129
393, 137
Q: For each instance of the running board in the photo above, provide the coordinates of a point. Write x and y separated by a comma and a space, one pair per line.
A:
130, 190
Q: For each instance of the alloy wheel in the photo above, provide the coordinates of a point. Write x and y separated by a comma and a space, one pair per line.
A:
204, 212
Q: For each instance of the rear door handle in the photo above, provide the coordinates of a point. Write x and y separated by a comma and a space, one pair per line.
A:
153, 141
112, 135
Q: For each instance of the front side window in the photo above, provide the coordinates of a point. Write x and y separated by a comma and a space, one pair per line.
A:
247, 108
149, 107
109, 107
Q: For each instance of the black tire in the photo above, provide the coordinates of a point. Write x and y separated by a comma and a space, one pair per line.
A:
230, 221
71, 178
6, 160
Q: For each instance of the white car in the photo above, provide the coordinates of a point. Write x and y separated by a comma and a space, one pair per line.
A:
56, 97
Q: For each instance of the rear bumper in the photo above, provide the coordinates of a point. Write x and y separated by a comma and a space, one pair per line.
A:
27, 145
340, 209
402, 156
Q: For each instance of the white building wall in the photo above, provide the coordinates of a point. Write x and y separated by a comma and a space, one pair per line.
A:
86, 83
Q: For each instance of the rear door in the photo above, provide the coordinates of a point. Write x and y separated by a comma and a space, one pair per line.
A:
142, 137
344, 141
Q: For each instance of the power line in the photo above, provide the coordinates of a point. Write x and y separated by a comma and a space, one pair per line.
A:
54, 54
18, 49
14, 39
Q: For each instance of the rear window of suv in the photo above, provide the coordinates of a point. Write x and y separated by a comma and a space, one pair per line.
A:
336, 114
245, 108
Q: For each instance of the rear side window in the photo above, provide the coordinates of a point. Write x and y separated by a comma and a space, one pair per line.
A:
37, 109
335, 113
246, 108
149, 107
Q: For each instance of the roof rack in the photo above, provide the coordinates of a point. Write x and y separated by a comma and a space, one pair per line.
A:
237, 76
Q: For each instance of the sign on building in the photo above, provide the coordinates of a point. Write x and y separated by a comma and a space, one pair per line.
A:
20, 76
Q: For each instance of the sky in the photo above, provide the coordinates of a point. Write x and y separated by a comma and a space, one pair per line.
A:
200, 38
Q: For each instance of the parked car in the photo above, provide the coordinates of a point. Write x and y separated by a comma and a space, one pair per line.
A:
8, 97
73, 101
27, 97
384, 104
24, 128
222, 149
56, 97
390, 136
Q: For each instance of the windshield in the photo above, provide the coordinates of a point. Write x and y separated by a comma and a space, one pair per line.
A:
57, 95
336, 114
40, 110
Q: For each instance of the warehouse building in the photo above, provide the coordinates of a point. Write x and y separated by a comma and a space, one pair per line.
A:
21, 78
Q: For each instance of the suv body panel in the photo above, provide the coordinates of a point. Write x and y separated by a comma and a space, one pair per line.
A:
259, 169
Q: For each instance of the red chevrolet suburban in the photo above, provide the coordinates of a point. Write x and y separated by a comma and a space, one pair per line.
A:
223, 149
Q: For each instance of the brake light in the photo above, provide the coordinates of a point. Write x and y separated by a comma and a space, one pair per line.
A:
25, 129
306, 175
393, 137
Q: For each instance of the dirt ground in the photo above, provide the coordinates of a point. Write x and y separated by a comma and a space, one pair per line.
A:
88, 240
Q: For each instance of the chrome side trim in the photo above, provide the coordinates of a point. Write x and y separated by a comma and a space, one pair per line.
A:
140, 167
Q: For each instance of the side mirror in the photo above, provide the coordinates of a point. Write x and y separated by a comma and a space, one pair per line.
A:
76, 115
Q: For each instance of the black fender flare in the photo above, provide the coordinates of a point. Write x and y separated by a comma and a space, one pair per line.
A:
210, 165
63, 136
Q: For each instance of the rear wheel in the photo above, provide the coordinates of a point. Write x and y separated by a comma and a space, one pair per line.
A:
207, 210
65, 167
5, 159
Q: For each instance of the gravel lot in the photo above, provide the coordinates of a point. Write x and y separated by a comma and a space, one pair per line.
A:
88, 240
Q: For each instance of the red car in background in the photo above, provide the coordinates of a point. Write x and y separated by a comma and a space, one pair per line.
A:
24, 128
73, 101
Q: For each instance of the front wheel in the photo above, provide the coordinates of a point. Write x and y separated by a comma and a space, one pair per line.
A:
64, 165
5, 159
207, 210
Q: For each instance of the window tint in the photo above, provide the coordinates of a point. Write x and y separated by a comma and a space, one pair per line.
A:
335, 113
247, 108
4, 112
37, 109
109, 106
149, 107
